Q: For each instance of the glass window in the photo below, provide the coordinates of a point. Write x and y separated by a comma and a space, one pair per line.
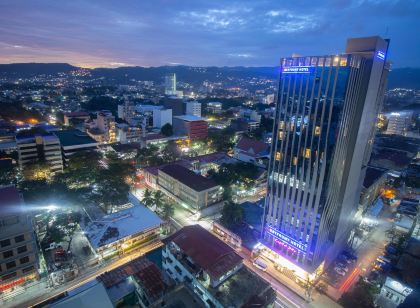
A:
27, 269
10, 265
19, 238
22, 249
24, 260
278, 156
8, 254
317, 130
5, 243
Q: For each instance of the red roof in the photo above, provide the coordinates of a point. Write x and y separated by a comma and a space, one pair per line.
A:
150, 278
207, 251
252, 147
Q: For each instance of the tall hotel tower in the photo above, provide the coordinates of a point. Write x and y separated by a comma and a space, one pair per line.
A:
322, 138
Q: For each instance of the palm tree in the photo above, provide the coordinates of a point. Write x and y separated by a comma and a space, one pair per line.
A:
147, 198
167, 210
158, 199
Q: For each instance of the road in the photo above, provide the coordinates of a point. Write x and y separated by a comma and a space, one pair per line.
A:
39, 295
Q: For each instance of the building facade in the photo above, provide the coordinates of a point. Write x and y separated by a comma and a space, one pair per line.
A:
214, 107
191, 126
194, 190
38, 148
322, 138
170, 84
18, 249
193, 108
162, 117
399, 123
128, 134
105, 122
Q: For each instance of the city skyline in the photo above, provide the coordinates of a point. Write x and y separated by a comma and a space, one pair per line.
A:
105, 34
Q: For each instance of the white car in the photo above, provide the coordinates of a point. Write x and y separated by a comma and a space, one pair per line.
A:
258, 263
52, 246
339, 271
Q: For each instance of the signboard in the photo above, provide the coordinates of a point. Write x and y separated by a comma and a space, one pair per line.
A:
287, 239
380, 55
297, 69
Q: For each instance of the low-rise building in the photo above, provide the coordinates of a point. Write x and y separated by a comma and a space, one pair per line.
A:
120, 231
18, 249
128, 134
373, 185
212, 270
77, 115
191, 126
36, 146
252, 151
214, 107
73, 141
186, 186
105, 123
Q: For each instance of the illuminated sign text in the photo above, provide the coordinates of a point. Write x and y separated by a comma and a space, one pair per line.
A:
297, 70
287, 239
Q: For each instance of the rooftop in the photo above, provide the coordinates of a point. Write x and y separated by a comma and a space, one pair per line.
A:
116, 226
120, 273
151, 280
243, 289
84, 299
206, 250
76, 114
252, 146
189, 118
188, 177
73, 137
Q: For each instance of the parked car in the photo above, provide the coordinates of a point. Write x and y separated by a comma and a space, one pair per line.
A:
52, 246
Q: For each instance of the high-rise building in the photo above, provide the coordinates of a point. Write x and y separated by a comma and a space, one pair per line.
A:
127, 111
193, 108
170, 84
323, 132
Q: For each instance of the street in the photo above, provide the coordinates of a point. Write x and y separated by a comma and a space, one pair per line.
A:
38, 292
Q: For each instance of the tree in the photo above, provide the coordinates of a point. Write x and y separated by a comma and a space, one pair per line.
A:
37, 171
167, 210
148, 198
221, 140
158, 199
232, 214
171, 152
167, 130
361, 296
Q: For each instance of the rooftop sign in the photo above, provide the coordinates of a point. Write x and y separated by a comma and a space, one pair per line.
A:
297, 70
380, 55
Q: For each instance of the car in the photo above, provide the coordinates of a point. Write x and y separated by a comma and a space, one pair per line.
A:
52, 246
339, 271
341, 264
260, 264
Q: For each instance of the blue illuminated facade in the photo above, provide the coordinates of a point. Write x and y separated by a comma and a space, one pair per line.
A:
324, 126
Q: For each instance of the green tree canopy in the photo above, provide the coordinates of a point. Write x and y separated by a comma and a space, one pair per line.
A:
167, 130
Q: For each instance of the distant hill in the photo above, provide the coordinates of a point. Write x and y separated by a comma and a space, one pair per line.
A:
34, 69
404, 78
400, 77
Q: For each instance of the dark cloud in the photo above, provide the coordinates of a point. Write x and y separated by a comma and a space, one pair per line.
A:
132, 32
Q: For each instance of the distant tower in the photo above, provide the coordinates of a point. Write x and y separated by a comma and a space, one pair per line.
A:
170, 84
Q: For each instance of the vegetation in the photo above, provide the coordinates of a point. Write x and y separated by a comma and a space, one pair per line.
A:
239, 173
361, 296
101, 103
232, 214
221, 140
167, 130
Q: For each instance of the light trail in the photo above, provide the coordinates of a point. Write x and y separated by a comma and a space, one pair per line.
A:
349, 281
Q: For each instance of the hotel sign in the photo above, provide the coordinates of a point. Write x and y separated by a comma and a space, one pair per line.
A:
287, 239
380, 55
298, 69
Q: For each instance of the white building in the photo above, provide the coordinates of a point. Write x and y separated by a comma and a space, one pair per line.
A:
121, 230
128, 134
394, 291
105, 122
193, 108
399, 123
214, 107
162, 117
127, 111
170, 84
